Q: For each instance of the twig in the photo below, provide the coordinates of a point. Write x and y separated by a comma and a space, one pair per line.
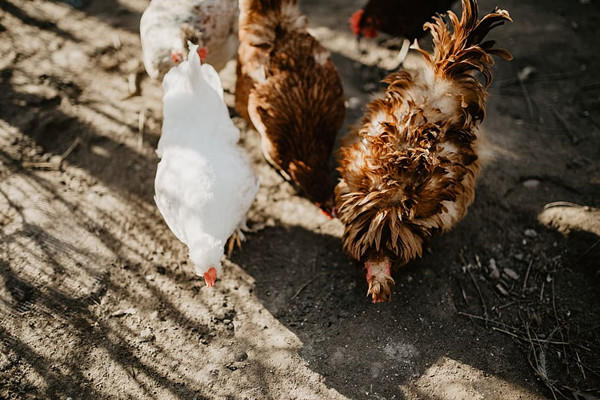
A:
542, 291
580, 365
558, 324
572, 136
483, 305
527, 98
526, 277
585, 253
54, 165
522, 338
301, 288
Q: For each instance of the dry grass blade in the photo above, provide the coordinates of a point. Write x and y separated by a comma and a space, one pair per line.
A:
565, 124
53, 165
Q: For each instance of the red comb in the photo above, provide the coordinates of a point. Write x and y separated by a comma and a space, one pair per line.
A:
202, 52
177, 57
355, 21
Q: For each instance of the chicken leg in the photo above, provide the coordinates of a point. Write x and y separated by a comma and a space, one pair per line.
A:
379, 280
237, 237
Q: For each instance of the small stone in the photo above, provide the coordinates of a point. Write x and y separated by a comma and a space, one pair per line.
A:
526, 72
150, 277
501, 289
55, 160
511, 274
530, 233
226, 321
531, 183
146, 335
123, 312
231, 367
353, 102
494, 272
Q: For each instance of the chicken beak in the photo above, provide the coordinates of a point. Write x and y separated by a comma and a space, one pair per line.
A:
210, 277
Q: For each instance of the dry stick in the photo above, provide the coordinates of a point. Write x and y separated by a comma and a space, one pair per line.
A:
536, 340
536, 368
558, 325
527, 98
485, 312
579, 363
462, 290
585, 253
572, 136
464, 314
526, 277
303, 287
542, 291
53, 165
515, 335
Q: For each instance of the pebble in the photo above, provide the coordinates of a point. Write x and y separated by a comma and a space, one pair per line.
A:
146, 335
531, 183
494, 272
530, 233
353, 102
127, 311
501, 289
511, 274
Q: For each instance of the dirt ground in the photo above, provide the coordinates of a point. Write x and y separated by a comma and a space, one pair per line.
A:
98, 299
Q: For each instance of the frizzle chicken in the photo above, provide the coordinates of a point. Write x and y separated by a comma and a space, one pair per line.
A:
411, 170
290, 91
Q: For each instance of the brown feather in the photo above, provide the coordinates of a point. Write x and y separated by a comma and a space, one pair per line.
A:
291, 92
410, 170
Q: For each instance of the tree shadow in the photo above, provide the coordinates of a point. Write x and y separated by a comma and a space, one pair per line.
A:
36, 22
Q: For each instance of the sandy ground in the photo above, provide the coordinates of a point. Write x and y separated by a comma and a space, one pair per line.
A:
98, 299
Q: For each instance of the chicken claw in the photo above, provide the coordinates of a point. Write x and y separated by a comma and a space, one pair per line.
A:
237, 237
379, 280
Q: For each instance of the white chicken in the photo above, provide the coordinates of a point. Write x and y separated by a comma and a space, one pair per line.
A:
167, 26
204, 183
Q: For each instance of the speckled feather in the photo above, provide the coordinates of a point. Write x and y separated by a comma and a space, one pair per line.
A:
411, 170
291, 92
167, 25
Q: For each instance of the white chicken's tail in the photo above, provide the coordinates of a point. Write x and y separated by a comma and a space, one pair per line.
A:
193, 106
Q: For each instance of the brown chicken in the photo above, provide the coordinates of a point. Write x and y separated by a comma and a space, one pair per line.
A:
291, 92
396, 17
411, 170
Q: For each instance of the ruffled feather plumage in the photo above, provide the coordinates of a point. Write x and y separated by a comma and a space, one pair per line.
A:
411, 172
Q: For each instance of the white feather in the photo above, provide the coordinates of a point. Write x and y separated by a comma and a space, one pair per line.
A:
204, 182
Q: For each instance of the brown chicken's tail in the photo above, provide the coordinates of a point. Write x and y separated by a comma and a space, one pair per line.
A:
459, 53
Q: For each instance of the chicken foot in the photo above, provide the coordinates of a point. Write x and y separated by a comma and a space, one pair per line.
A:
379, 280
237, 237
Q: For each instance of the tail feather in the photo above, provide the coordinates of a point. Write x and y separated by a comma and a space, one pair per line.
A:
461, 51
